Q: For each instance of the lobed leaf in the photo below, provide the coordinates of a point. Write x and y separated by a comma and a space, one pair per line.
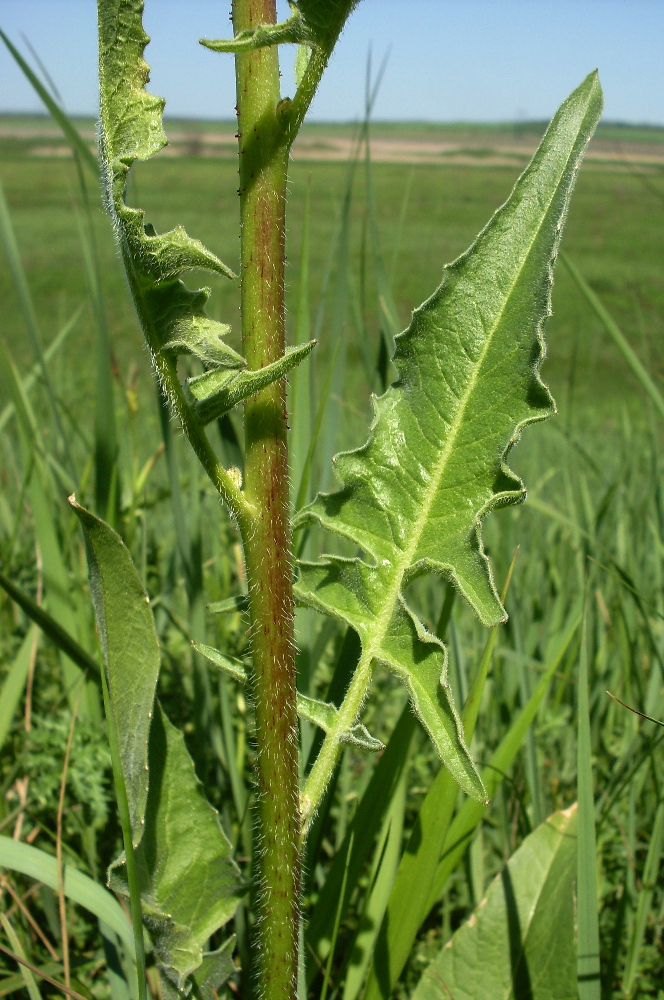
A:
321, 713
313, 23
216, 391
414, 496
130, 129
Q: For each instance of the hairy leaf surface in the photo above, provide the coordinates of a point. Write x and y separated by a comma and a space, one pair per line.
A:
313, 23
172, 316
321, 713
414, 496
189, 883
131, 652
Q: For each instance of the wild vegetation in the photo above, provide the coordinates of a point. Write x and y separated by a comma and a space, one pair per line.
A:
396, 857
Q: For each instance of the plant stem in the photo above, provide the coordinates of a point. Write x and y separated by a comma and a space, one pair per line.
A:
267, 545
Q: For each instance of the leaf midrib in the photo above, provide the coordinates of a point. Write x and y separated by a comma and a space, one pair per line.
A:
382, 621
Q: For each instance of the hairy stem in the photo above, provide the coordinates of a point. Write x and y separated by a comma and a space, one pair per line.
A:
263, 170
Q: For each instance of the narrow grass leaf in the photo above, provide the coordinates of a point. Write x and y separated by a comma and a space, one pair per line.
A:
19, 279
519, 943
363, 829
471, 813
28, 978
81, 889
50, 627
386, 860
107, 485
616, 335
588, 961
408, 903
14, 683
644, 904
29, 380
77, 144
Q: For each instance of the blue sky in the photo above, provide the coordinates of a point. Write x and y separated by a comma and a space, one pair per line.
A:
447, 60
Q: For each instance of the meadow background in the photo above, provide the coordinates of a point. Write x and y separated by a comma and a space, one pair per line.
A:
367, 238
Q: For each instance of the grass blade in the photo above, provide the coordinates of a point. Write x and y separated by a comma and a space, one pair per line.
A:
616, 335
493, 774
363, 829
26, 971
588, 957
29, 380
409, 900
80, 888
644, 905
75, 141
14, 684
8, 239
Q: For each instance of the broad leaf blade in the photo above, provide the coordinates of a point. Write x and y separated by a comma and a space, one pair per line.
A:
190, 885
131, 653
520, 940
414, 496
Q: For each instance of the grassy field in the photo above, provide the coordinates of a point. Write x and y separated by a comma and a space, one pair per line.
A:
427, 216
592, 530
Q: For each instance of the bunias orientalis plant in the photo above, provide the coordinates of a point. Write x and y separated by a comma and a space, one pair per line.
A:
411, 501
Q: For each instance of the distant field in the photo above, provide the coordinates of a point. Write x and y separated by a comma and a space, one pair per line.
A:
430, 202
470, 145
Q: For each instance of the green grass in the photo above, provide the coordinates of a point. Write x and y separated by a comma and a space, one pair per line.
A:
613, 235
594, 523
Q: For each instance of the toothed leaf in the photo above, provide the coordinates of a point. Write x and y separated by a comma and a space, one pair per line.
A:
414, 496
190, 884
313, 23
215, 392
217, 967
131, 129
321, 713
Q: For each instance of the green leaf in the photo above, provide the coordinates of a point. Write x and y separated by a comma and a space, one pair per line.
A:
313, 23
19, 857
216, 968
14, 683
190, 885
24, 969
589, 987
322, 713
617, 336
131, 129
351, 856
215, 392
414, 496
519, 943
131, 653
